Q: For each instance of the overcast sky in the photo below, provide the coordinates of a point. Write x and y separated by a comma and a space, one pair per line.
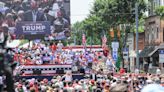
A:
80, 9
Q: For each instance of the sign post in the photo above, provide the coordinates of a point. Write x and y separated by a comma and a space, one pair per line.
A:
115, 46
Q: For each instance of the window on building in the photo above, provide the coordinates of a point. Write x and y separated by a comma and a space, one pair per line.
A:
149, 38
152, 35
154, 5
157, 33
162, 2
163, 34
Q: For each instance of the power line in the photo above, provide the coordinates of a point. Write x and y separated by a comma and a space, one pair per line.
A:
104, 14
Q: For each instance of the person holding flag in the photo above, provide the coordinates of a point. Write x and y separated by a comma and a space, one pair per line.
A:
104, 41
104, 46
110, 64
84, 41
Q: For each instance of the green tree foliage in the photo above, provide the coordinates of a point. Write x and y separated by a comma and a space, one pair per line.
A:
76, 34
160, 11
93, 27
106, 14
116, 12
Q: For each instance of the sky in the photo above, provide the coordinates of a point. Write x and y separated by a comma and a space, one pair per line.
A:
80, 9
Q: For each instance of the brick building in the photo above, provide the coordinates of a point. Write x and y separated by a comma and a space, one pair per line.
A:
154, 38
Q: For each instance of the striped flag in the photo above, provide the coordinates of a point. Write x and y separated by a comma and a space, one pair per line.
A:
84, 42
83, 39
104, 41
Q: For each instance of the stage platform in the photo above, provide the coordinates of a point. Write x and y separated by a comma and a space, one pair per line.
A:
50, 76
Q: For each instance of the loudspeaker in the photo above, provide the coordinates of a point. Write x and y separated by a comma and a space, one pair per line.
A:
37, 72
60, 71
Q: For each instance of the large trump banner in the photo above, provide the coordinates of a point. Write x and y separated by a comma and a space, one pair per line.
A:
50, 20
32, 30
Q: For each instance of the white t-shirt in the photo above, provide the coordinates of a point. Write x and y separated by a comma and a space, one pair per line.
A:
109, 63
158, 71
68, 78
136, 71
1, 80
60, 46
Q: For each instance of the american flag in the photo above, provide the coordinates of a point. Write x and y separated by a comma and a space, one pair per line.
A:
104, 41
83, 39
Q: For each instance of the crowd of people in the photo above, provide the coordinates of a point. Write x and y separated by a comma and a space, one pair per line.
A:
54, 11
96, 78
110, 83
41, 53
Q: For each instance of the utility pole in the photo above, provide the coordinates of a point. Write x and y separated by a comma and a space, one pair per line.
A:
137, 52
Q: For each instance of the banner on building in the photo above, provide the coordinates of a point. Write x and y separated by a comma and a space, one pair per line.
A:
161, 56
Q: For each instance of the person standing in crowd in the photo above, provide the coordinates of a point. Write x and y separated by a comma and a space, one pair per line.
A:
122, 71
1, 82
26, 5
67, 77
20, 16
45, 4
158, 71
34, 15
60, 46
48, 17
93, 75
109, 64
55, 9
9, 20
137, 71
17, 5
90, 62
106, 51
1, 18
60, 23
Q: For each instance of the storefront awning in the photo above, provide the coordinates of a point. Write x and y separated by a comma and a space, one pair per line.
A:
161, 46
146, 51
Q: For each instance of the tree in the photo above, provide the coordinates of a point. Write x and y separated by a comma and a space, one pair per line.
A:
160, 11
118, 11
76, 34
111, 13
94, 27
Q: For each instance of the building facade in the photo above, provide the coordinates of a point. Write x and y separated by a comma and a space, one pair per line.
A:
153, 4
154, 38
131, 44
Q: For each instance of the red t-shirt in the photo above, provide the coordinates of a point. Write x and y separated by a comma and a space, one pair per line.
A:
122, 71
16, 57
53, 47
28, 61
